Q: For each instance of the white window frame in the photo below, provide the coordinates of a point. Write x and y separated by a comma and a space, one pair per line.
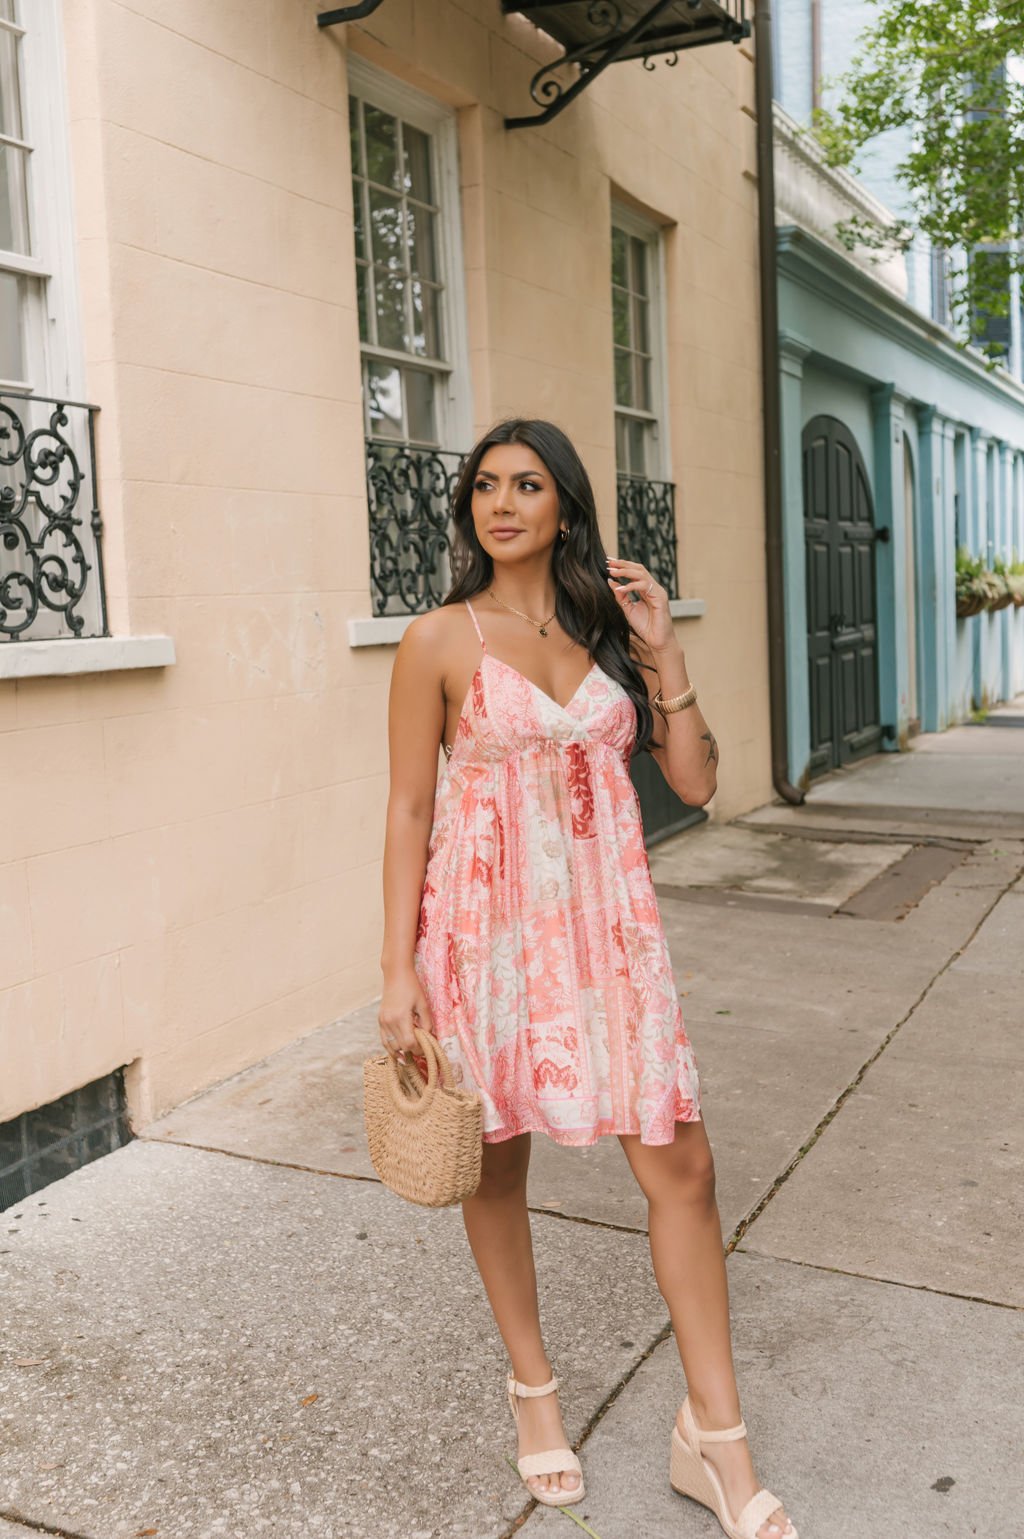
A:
651, 234
455, 409
55, 361
51, 316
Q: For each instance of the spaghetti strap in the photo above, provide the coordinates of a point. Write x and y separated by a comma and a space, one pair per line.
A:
476, 623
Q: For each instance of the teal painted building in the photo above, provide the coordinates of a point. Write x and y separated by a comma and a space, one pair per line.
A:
897, 447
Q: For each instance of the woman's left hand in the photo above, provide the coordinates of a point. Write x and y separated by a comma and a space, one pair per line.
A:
648, 615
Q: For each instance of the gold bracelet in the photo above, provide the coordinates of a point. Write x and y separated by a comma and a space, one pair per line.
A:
677, 703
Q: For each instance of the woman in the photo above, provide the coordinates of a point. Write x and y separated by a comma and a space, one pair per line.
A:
521, 926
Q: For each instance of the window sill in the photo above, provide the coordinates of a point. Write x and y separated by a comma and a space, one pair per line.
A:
91, 654
384, 630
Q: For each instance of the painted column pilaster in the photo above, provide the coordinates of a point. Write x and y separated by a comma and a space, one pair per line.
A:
1017, 553
792, 352
979, 546
946, 581
1006, 617
929, 548
890, 567
979, 493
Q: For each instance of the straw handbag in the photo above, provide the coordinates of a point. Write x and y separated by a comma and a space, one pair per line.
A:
425, 1139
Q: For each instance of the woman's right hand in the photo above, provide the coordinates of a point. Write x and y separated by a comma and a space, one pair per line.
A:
403, 1005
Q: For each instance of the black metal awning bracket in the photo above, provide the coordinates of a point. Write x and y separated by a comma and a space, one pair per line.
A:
592, 57
347, 13
613, 41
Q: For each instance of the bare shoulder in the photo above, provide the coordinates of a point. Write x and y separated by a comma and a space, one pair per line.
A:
430, 643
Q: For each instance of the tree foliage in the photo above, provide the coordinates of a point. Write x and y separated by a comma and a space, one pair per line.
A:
949, 72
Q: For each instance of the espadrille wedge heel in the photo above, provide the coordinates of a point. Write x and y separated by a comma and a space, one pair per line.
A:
552, 1460
693, 1475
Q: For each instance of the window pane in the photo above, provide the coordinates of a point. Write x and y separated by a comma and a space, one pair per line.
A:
417, 163
12, 354
384, 399
641, 335
621, 446
425, 327
623, 379
620, 318
358, 221
419, 405
639, 273
358, 169
10, 96
389, 292
14, 233
381, 146
642, 382
638, 432
386, 225
422, 240
363, 302
619, 247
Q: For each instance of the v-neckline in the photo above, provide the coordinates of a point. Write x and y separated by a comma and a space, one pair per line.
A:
543, 692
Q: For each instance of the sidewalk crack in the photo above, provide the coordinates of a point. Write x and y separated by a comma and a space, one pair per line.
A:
883, 1282
780, 1180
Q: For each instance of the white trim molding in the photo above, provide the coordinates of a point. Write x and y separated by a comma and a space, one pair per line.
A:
89, 654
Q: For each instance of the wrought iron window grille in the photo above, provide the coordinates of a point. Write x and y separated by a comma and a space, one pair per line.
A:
51, 557
597, 33
410, 497
647, 527
410, 493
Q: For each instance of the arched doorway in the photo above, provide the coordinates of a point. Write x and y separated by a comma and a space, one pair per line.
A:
842, 645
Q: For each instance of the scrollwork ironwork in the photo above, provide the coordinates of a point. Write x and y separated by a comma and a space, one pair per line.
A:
48, 471
647, 527
606, 16
410, 493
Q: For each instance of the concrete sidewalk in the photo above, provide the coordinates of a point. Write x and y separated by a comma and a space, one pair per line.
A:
229, 1328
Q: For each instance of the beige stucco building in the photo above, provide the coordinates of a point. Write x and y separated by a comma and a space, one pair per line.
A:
195, 802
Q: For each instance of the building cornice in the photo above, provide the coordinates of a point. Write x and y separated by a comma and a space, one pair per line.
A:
817, 196
807, 259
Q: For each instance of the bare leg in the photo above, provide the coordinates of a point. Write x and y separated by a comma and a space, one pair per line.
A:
678, 1180
498, 1226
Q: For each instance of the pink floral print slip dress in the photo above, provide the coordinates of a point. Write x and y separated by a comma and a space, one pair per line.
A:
539, 945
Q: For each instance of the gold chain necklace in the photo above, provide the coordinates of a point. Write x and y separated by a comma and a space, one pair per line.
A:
540, 624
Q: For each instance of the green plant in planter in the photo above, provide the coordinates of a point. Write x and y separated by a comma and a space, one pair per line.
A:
1003, 592
977, 587
1012, 575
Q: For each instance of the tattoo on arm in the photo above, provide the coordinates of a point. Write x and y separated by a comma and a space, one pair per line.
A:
709, 738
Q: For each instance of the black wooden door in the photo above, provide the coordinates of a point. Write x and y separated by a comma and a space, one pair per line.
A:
662, 811
841, 641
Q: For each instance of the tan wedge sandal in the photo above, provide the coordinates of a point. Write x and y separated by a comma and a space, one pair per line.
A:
553, 1460
693, 1475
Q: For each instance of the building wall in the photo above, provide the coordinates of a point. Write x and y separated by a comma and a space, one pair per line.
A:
850, 344
193, 878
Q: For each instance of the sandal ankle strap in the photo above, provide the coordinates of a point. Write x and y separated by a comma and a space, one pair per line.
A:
526, 1390
721, 1435
725, 1435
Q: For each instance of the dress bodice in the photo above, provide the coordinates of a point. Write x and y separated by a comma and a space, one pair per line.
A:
505, 713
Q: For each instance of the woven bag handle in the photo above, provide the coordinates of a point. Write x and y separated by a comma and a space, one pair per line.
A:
416, 1105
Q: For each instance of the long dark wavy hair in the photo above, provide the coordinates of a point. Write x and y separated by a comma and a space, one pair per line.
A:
586, 607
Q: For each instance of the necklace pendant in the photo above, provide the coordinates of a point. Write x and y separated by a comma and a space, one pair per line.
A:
543, 631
